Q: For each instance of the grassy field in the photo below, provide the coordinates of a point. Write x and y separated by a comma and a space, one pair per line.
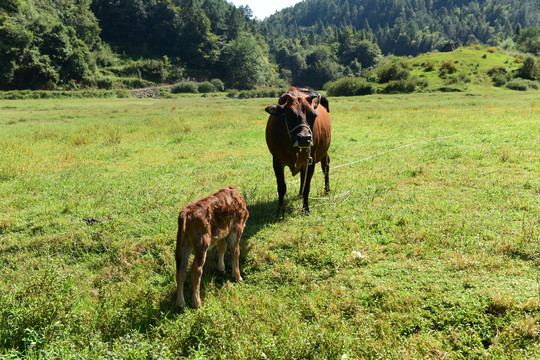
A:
427, 247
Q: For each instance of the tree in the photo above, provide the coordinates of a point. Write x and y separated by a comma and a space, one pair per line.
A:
322, 66
243, 61
353, 49
529, 40
46, 47
530, 69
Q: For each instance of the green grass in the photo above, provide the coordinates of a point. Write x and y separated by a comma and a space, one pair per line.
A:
442, 201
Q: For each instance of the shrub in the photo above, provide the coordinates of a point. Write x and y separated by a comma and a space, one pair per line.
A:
518, 84
349, 86
206, 87
392, 71
429, 66
105, 83
400, 86
497, 70
448, 67
133, 83
164, 93
449, 89
373, 78
459, 78
251, 94
233, 93
218, 84
185, 87
499, 80
27, 94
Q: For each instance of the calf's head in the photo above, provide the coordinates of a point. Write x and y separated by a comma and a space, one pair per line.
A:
300, 114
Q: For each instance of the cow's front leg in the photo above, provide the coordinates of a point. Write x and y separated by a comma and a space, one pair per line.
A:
302, 177
309, 175
282, 187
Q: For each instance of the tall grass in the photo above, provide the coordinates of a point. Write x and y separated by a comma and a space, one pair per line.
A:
427, 246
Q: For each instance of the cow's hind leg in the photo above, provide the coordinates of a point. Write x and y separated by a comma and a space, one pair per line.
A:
325, 164
182, 260
282, 187
222, 247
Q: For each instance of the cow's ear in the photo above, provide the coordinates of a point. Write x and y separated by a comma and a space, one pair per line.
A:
275, 109
324, 102
285, 99
313, 100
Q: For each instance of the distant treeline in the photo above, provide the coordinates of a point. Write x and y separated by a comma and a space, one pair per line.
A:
62, 44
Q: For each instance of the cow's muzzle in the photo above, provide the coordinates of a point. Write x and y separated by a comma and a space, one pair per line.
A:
303, 139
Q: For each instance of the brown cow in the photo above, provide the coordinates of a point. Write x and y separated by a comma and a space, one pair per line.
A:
202, 225
298, 136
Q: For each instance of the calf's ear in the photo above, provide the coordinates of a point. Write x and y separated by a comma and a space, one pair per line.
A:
275, 109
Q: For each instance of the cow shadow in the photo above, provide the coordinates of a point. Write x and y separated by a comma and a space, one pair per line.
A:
261, 214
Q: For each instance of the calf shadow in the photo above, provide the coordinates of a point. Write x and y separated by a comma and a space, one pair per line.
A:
261, 214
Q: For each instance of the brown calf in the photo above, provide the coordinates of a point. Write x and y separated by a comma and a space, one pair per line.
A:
202, 225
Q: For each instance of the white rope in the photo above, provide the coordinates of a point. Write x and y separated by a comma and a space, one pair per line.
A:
310, 161
391, 150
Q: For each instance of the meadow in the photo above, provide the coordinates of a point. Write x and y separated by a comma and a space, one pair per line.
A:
427, 246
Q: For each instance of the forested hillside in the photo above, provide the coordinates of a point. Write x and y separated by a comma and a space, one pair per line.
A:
410, 27
62, 44
45, 43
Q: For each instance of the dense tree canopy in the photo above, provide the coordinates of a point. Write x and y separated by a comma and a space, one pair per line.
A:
46, 42
409, 27
64, 43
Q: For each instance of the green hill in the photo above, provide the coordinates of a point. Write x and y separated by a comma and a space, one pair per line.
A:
473, 66
464, 69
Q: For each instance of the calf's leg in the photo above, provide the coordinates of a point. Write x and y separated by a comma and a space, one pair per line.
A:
182, 259
234, 239
197, 270
222, 247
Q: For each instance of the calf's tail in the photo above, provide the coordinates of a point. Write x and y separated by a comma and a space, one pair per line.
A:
180, 235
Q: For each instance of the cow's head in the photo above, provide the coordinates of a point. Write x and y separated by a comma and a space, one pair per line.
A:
300, 113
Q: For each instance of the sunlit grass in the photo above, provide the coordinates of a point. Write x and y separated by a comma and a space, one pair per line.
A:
440, 199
